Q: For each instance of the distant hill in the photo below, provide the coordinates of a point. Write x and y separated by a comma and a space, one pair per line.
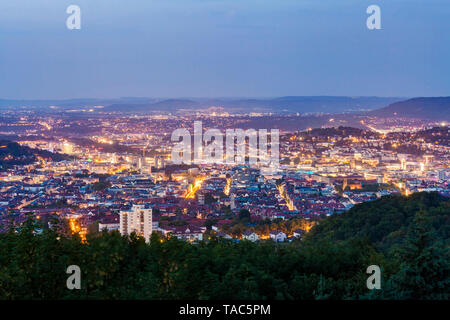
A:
290, 104
71, 103
436, 135
12, 153
338, 132
422, 108
328, 104
170, 105
385, 222
320, 104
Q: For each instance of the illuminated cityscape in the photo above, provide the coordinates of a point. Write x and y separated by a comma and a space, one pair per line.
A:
269, 153
118, 161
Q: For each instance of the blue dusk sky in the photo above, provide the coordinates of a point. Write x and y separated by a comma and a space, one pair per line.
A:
229, 48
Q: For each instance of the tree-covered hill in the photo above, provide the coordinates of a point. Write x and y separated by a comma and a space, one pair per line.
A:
330, 264
436, 108
12, 153
385, 222
340, 131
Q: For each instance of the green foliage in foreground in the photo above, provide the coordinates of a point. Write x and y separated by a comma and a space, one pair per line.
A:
33, 266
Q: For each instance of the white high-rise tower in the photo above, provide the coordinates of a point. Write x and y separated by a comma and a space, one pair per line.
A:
138, 219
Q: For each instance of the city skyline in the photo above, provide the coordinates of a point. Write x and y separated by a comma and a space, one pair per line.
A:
251, 150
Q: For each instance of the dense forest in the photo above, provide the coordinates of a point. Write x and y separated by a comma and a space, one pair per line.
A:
406, 236
343, 132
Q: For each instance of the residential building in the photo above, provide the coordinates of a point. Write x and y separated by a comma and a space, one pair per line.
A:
138, 219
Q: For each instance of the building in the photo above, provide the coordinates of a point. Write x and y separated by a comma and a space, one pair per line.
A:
140, 163
232, 202
201, 198
442, 175
160, 163
108, 226
224, 235
298, 233
428, 158
277, 236
189, 233
139, 220
67, 148
248, 235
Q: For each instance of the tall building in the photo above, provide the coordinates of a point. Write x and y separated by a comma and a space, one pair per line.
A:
403, 158
422, 166
428, 158
232, 202
403, 164
160, 162
138, 219
201, 198
140, 163
442, 175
